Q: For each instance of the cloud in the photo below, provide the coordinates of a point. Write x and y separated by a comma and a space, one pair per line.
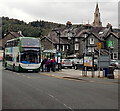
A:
77, 11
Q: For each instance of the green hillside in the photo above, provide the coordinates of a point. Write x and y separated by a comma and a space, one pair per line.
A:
36, 28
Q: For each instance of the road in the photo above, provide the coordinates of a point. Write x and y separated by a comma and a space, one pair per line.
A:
38, 91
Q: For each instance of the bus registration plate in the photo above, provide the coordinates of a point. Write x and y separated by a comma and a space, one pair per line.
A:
30, 70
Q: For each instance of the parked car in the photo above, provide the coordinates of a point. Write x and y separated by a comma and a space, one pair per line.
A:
68, 63
1, 58
78, 64
115, 63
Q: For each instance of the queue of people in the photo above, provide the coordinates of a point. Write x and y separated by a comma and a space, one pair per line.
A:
48, 64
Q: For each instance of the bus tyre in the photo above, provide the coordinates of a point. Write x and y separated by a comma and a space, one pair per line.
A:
5, 65
14, 67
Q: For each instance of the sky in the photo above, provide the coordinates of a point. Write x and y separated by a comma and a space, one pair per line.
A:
60, 11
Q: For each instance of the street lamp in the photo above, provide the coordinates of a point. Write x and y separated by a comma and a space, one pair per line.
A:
70, 36
58, 34
58, 53
93, 62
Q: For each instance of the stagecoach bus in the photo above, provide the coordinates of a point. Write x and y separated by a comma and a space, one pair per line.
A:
22, 54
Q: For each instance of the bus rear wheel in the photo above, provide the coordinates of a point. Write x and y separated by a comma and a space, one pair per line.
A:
13, 67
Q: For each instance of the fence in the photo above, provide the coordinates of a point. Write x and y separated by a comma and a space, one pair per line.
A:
101, 74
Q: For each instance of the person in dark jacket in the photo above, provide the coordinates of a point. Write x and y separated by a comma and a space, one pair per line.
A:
43, 64
48, 64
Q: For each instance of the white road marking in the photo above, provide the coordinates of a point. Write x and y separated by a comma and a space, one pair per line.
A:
23, 75
61, 102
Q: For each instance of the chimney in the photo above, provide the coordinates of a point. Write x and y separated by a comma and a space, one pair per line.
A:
20, 32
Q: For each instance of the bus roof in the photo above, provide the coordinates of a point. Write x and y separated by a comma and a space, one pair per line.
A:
21, 38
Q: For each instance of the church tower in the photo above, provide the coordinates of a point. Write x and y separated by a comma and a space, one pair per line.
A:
97, 22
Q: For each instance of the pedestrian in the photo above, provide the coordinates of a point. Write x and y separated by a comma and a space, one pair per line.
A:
53, 64
43, 64
48, 64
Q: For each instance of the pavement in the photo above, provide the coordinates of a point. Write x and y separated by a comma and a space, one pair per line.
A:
72, 74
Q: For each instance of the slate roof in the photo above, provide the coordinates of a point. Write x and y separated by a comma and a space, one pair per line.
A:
95, 35
81, 33
55, 40
117, 35
98, 29
15, 34
101, 31
75, 31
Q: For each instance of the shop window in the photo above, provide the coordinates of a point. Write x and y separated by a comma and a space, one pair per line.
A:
76, 39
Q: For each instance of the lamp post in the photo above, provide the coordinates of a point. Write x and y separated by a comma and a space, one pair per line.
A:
110, 52
71, 36
58, 53
73, 42
93, 62
99, 46
84, 72
58, 34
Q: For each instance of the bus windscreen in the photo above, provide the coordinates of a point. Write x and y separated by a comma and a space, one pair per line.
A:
26, 42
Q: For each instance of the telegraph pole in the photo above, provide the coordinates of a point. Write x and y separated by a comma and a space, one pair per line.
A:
99, 47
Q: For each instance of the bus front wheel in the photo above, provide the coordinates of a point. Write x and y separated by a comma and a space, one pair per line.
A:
6, 65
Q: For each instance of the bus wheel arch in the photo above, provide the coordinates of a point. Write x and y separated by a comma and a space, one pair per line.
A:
18, 69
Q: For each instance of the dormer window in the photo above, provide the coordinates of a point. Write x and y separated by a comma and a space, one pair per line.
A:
69, 34
69, 38
67, 47
57, 47
100, 33
63, 48
85, 35
76, 39
91, 40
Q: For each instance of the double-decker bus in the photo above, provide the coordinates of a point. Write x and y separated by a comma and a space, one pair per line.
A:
22, 54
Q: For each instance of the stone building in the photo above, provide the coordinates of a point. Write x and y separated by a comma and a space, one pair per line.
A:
108, 39
84, 38
112, 44
8, 36
78, 40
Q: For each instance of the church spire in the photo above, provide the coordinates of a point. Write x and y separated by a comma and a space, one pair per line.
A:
97, 8
97, 22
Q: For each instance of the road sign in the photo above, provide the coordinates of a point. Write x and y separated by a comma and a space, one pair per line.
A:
104, 61
99, 45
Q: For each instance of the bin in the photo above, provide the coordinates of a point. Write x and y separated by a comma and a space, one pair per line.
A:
105, 72
111, 72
